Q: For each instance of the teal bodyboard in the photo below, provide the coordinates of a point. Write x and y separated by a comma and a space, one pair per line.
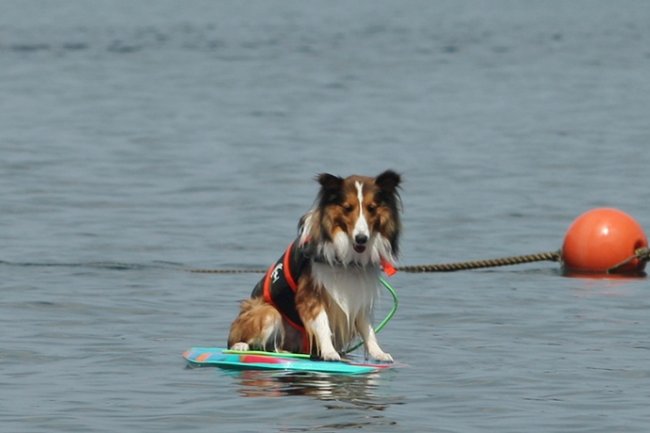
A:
257, 360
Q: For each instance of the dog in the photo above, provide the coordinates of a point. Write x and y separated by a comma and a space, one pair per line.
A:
319, 296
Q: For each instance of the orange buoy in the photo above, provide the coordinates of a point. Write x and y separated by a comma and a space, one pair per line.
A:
602, 239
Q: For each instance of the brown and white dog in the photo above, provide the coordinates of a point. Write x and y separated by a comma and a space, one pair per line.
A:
327, 298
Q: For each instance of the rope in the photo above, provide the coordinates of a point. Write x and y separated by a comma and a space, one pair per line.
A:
227, 271
553, 256
641, 254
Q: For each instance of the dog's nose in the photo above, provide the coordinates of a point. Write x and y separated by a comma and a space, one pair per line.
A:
360, 239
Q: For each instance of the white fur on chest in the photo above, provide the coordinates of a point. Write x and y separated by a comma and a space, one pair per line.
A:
353, 288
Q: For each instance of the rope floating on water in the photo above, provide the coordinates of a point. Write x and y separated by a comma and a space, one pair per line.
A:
641, 254
553, 256
228, 271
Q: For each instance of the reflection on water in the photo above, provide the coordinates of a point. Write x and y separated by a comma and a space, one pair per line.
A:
605, 276
359, 390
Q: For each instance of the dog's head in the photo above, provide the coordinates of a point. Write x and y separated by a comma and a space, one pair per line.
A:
355, 219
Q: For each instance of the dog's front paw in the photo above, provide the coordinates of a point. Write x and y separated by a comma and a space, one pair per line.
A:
382, 356
330, 356
240, 347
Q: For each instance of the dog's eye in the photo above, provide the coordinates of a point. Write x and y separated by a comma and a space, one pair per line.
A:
372, 207
347, 207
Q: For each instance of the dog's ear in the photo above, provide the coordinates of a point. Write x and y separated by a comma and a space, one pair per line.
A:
329, 181
331, 187
388, 181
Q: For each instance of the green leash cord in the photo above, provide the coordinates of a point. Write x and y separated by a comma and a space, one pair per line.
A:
388, 317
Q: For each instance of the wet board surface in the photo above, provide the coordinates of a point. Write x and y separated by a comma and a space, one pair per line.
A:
256, 360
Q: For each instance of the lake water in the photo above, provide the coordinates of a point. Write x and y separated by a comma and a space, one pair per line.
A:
139, 139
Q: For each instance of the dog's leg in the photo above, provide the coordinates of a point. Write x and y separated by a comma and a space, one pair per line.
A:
369, 337
320, 330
